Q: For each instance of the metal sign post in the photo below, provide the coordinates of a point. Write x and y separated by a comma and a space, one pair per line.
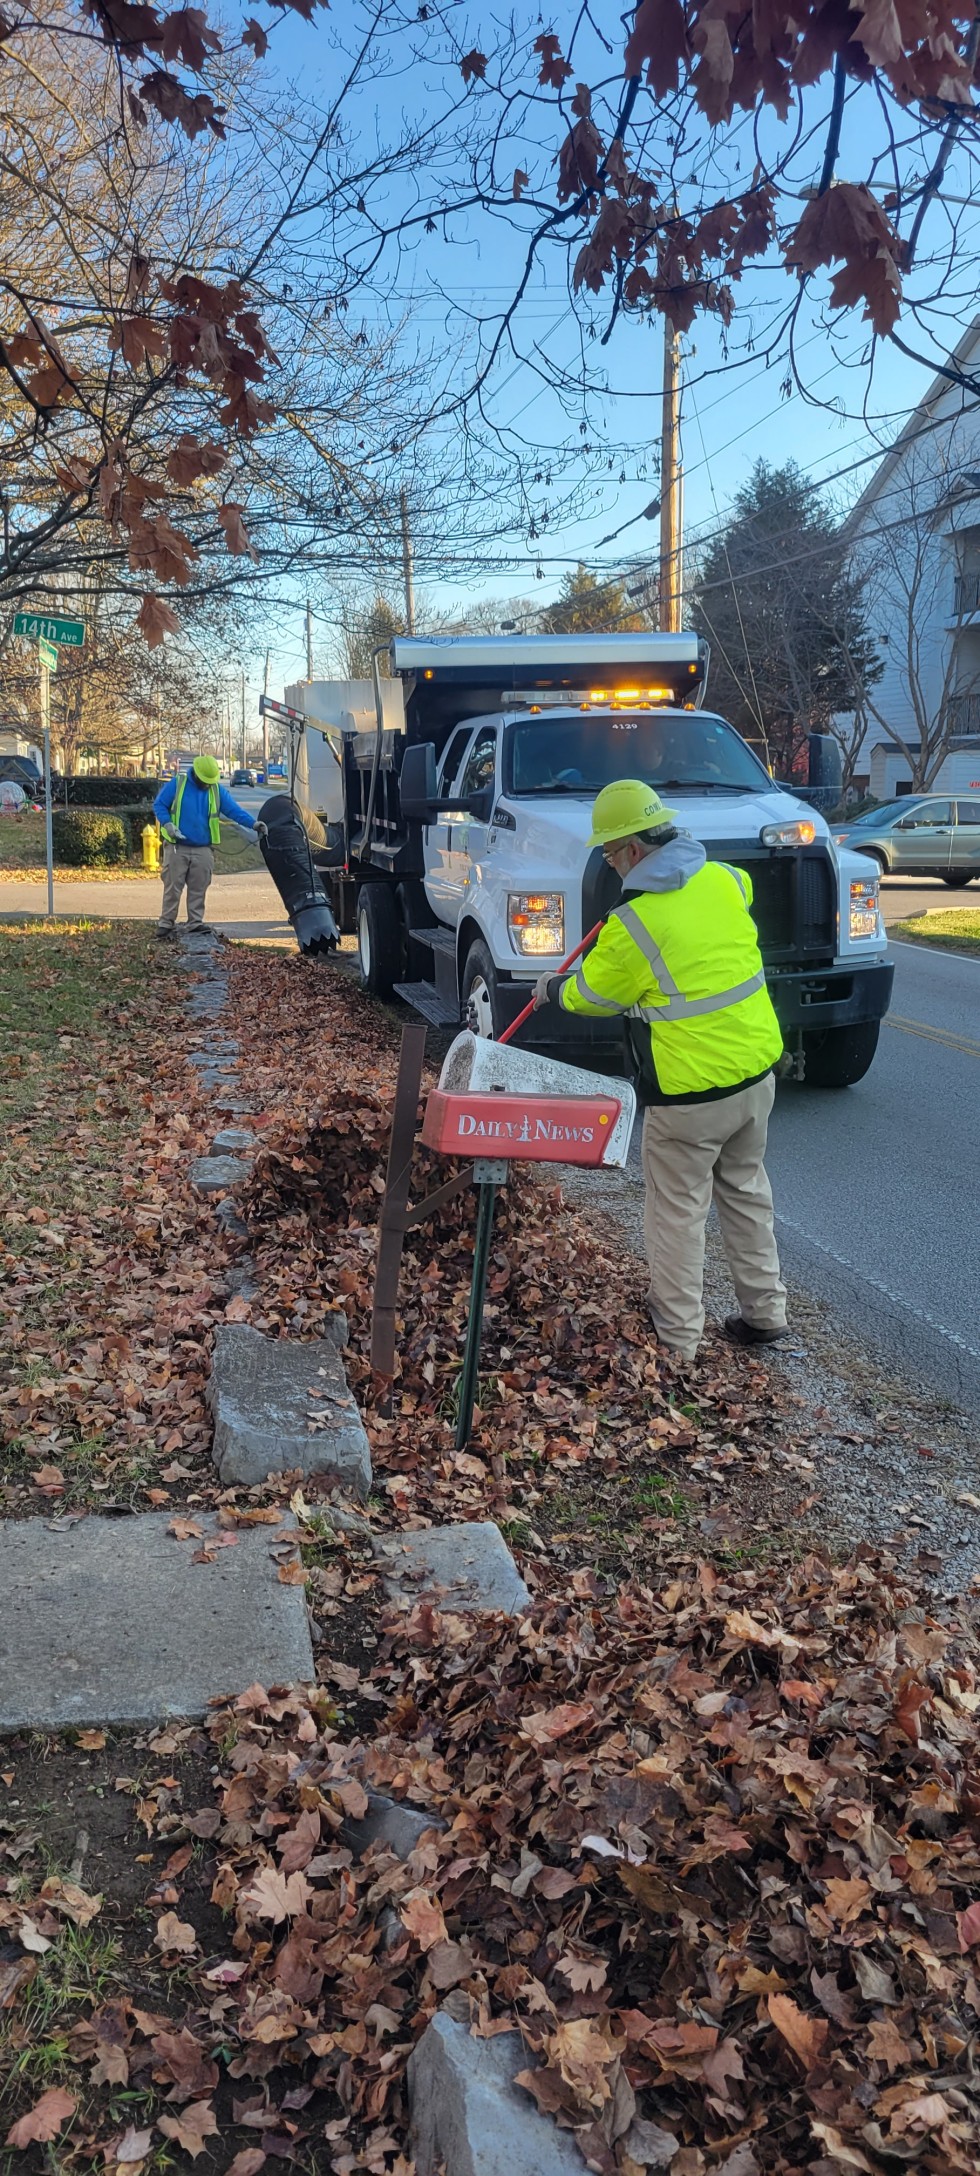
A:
44, 654
489, 1173
48, 631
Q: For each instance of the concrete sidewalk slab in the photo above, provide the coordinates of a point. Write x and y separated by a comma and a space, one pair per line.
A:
112, 1620
243, 904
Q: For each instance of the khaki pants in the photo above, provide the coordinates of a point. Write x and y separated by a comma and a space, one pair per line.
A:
691, 1151
190, 865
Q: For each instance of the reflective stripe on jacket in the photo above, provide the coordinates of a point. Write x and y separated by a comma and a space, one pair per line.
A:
686, 961
213, 805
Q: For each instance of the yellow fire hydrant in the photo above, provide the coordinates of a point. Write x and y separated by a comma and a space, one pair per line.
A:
151, 846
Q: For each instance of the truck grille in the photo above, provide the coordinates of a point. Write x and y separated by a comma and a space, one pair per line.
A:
794, 899
794, 903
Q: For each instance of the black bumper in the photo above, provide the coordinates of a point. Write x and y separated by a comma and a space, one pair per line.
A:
825, 997
553, 1029
831, 997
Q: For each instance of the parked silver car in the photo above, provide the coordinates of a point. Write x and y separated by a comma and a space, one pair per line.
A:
923, 835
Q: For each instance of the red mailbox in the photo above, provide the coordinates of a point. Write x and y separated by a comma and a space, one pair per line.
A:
521, 1128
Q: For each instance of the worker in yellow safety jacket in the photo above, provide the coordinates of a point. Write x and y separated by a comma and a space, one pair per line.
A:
679, 961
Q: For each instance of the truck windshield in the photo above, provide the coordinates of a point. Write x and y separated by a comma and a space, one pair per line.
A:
584, 751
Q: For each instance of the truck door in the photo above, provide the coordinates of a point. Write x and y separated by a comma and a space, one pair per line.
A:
467, 835
436, 836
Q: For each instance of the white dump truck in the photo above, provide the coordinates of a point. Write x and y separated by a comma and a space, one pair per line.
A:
456, 791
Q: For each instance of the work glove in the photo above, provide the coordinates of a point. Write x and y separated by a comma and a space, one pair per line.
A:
542, 989
261, 829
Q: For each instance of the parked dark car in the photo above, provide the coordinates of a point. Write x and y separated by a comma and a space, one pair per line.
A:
929, 834
23, 771
244, 778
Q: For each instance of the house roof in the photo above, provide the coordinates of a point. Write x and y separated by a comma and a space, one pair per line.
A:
919, 420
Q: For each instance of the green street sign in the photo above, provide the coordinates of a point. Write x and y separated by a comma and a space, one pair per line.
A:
47, 654
43, 629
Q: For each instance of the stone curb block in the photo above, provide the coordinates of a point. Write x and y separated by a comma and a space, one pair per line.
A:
259, 1393
215, 1174
468, 2116
233, 1141
465, 1567
389, 1822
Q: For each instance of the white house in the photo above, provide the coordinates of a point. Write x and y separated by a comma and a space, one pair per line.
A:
915, 533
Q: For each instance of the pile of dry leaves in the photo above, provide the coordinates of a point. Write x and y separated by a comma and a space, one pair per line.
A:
711, 1850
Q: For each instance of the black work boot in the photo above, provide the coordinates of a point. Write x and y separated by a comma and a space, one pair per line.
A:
749, 1333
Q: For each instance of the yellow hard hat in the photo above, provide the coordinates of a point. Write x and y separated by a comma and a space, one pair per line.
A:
206, 770
620, 811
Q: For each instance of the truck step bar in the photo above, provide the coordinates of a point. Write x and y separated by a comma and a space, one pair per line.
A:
424, 998
437, 940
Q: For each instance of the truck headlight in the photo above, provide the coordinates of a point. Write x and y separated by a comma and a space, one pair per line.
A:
864, 907
536, 922
798, 834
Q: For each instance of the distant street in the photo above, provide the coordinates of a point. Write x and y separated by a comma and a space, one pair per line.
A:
875, 1187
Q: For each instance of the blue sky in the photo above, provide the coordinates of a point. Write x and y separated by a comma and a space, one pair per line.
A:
730, 418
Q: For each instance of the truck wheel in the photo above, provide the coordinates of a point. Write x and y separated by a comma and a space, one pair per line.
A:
379, 940
479, 993
837, 1057
957, 883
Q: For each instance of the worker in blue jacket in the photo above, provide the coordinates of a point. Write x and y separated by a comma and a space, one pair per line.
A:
188, 810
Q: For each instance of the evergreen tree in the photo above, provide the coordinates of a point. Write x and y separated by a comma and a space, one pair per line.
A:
364, 629
588, 606
785, 615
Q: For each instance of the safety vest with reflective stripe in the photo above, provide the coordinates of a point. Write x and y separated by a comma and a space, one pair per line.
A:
687, 962
214, 804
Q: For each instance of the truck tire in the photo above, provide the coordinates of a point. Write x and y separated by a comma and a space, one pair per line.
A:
837, 1057
379, 940
957, 883
480, 985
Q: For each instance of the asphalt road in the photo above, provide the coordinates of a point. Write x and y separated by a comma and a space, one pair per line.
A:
875, 1187
902, 896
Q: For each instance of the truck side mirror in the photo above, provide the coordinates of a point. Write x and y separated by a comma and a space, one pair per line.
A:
825, 769
417, 784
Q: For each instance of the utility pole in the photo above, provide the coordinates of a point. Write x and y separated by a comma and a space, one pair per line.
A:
309, 640
671, 578
408, 569
244, 750
265, 722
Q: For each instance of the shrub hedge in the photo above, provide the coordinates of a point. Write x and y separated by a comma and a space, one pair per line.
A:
106, 792
135, 818
89, 838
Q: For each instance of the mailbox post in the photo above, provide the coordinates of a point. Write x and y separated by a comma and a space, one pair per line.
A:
496, 1106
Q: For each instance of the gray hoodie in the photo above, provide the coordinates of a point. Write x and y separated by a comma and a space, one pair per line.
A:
667, 868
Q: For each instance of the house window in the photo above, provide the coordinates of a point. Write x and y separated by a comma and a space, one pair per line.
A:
966, 596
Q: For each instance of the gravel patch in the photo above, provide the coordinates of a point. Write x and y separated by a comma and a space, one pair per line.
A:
883, 1463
